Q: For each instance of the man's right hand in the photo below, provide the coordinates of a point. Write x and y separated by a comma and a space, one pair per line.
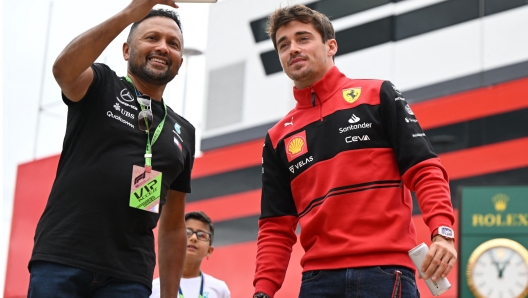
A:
440, 259
138, 9
72, 69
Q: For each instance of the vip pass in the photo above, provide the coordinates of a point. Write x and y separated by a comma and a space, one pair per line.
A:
145, 190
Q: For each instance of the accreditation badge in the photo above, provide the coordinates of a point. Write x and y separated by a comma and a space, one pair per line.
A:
145, 191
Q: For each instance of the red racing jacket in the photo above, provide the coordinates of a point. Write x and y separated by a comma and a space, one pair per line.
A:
343, 164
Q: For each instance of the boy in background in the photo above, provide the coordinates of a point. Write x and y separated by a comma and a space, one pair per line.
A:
195, 283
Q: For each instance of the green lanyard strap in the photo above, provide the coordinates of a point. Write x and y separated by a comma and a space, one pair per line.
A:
157, 132
148, 150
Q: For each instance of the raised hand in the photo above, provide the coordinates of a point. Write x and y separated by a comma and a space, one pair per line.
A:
138, 9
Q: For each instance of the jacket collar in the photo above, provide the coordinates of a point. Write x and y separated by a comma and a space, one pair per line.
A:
324, 89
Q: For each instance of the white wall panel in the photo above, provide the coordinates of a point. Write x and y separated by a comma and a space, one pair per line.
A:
437, 56
230, 36
267, 97
371, 63
505, 38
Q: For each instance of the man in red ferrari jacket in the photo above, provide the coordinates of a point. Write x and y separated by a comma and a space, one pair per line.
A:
342, 164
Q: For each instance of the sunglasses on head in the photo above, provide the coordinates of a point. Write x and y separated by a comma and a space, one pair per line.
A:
145, 117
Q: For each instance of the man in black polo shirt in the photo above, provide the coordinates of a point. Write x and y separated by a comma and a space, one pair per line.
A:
126, 163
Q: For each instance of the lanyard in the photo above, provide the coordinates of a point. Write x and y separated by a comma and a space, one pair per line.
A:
157, 132
201, 288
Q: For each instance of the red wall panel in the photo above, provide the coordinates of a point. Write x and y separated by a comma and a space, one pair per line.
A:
229, 207
33, 185
228, 158
473, 104
487, 159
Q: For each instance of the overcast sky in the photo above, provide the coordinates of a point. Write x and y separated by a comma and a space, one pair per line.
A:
28, 51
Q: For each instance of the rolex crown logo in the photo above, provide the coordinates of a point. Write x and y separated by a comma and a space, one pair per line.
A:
500, 201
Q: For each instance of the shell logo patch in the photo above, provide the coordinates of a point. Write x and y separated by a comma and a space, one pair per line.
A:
351, 94
296, 145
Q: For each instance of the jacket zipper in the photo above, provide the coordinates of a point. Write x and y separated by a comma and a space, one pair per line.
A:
313, 104
313, 96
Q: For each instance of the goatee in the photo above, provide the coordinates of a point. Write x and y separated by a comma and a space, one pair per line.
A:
151, 76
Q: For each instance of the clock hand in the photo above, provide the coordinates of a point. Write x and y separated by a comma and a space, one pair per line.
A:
495, 263
506, 263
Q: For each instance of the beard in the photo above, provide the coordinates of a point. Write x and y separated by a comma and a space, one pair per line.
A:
300, 73
309, 73
301, 76
140, 69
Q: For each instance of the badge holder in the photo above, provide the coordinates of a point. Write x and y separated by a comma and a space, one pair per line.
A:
145, 188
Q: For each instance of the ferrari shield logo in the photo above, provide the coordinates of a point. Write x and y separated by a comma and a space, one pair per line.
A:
351, 94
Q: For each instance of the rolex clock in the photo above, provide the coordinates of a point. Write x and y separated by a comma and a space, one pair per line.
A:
498, 268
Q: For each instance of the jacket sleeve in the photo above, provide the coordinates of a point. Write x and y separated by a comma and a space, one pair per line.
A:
277, 223
418, 164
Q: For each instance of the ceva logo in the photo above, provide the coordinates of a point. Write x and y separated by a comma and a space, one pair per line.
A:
351, 139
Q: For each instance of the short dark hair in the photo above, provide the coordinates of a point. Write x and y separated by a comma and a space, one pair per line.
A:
166, 13
303, 14
201, 216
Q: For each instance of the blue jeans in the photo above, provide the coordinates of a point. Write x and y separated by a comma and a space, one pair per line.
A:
364, 282
53, 280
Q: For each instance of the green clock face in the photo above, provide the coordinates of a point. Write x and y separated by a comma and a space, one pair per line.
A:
498, 268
